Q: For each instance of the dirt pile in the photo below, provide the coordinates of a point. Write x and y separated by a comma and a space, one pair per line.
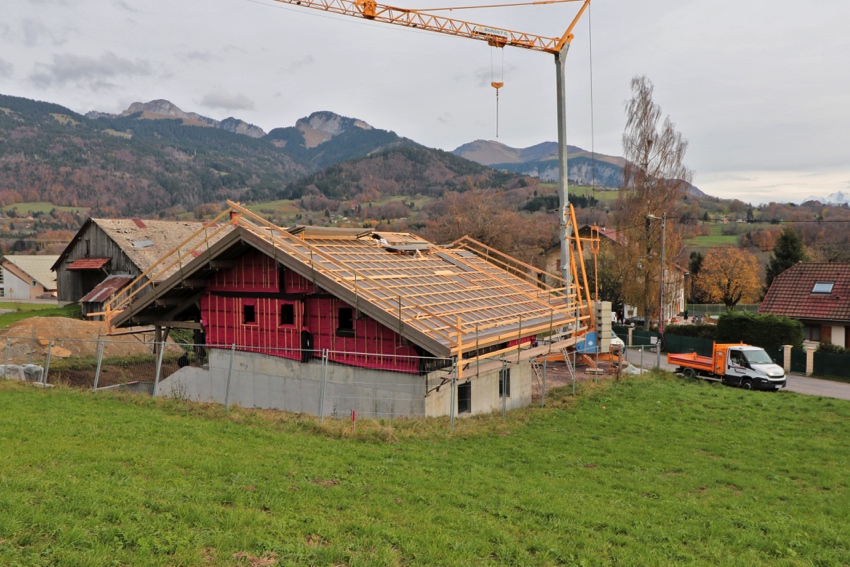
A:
71, 338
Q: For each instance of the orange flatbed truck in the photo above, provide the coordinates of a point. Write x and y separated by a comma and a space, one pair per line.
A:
746, 366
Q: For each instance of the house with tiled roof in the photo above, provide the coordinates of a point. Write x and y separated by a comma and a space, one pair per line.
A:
27, 277
818, 295
116, 247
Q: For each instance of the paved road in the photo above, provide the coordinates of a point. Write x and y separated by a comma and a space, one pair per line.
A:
796, 382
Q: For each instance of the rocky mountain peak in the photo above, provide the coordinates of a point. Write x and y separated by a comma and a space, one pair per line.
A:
321, 126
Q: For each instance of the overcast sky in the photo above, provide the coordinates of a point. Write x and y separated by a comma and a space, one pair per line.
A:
760, 89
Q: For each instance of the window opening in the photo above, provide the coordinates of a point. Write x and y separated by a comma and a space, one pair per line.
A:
464, 397
34, 283
249, 314
505, 382
345, 322
287, 314
823, 287
281, 279
811, 333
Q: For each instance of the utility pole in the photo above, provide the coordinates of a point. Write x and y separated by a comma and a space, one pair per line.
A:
663, 220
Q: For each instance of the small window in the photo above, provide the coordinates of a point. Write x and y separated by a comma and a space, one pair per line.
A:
281, 279
464, 397
505, 382
345, 327
88, 247
34, 283
823, 287
249, 314
287, 314
811, 333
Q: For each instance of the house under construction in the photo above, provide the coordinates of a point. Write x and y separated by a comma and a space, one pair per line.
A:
381, 322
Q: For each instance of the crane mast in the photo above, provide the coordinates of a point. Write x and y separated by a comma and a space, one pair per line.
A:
496, 37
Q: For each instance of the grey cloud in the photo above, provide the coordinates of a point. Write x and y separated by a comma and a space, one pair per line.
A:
95, 73
128, 7
298, 64
199, 56
227, 101
6, 69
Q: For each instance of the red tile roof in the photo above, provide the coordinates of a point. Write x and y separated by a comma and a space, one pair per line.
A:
88, 263
791, 295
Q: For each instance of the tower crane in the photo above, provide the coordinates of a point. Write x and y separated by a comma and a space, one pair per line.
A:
496, 37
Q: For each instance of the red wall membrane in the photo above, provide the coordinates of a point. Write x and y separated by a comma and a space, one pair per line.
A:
372, 346
523, 341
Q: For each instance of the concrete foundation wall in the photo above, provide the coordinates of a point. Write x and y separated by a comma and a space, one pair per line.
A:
261, 381
485, 389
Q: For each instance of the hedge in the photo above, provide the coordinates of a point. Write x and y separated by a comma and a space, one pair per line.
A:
696, 331
766, 331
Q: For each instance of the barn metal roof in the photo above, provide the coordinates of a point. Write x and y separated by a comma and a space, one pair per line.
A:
104, 290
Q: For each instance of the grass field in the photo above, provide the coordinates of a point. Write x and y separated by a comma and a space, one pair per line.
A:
26, 310
651, 471
41, 207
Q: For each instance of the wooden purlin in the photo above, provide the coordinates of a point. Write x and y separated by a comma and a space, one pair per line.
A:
510, 263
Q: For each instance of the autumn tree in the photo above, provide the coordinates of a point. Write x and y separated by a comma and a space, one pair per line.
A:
654, 182
729, 275
787, 252
484, 216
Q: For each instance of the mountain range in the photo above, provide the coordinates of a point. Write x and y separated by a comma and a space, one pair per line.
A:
155, 157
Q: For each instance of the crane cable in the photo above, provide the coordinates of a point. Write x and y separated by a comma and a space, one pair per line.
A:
497, 84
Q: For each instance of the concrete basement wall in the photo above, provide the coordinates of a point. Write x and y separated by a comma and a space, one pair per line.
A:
262, 381
270, 382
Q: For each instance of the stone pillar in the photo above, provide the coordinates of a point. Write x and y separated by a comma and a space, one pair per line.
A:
786, 349
630, 336
810, 359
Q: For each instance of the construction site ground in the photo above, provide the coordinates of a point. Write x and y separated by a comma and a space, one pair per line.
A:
74, 351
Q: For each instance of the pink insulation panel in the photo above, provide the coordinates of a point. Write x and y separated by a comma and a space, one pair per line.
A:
247, 306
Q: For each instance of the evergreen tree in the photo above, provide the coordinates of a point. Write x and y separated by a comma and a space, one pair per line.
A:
787, 252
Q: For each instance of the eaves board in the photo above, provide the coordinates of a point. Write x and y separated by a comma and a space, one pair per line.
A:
327, 283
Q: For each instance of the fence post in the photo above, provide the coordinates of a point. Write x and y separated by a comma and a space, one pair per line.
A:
6, 361
543, 394
630, 336
452, 393
158, 367
786, 362
32, 345
99, 363
810, 360
641, 359
229, 374
322, 385
47, 363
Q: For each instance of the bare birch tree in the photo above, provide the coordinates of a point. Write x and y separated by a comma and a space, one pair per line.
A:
654, 182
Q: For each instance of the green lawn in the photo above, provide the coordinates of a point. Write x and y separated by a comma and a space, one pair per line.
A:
652, 471
27, 310
41, 207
